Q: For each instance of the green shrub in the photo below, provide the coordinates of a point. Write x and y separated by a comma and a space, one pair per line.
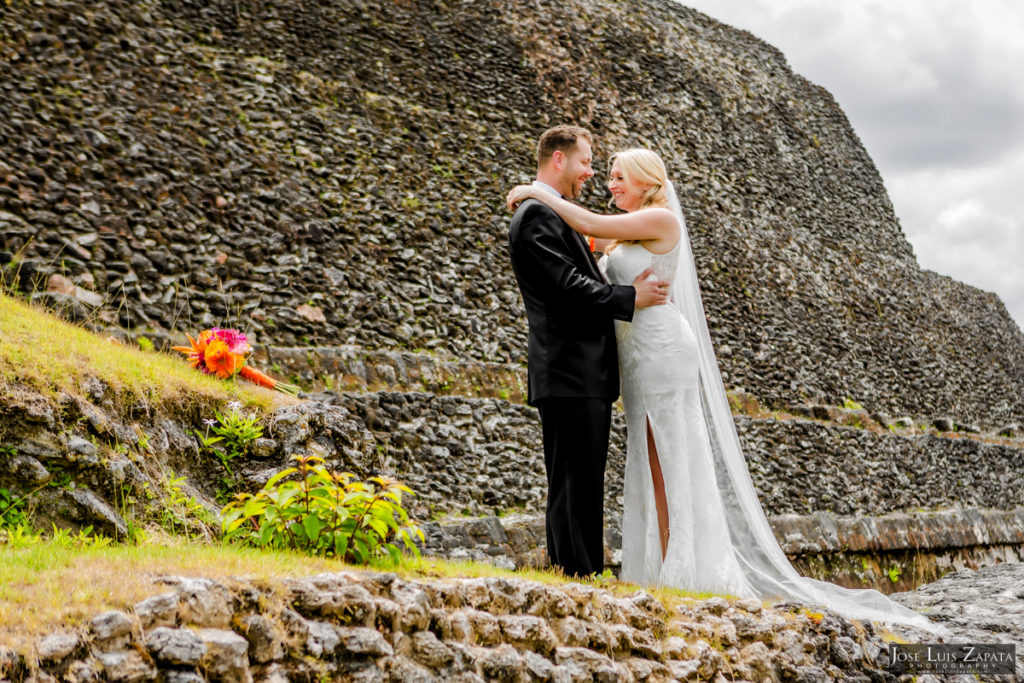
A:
324, 513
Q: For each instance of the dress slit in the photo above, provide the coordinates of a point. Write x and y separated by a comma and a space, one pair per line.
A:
658, 482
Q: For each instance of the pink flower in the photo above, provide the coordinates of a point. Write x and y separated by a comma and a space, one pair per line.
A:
236, 341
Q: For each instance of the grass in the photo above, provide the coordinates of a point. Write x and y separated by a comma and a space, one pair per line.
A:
40, 352
48, 587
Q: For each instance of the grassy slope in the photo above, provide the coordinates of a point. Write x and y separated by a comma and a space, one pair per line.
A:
43, 353
48, 586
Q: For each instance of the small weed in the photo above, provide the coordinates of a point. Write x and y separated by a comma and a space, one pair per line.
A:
233, 433
894, 572
83, 538
12, 510
60, 479
20, 536
603, 580
179, 512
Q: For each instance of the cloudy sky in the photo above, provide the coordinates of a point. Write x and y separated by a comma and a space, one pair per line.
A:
935, 91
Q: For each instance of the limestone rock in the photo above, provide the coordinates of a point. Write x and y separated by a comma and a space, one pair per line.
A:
159, 610
176, 647
112, 630
56, 646
265, 643
226, 656
126, 665
364, 641
201, 602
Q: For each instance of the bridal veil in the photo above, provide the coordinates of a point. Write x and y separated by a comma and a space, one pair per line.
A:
761, 558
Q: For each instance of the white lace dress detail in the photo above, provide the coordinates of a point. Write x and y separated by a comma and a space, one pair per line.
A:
659, 370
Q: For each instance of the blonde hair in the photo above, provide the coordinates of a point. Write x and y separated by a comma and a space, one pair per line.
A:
645, 167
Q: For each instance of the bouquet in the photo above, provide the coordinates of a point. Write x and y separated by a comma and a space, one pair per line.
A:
225, 353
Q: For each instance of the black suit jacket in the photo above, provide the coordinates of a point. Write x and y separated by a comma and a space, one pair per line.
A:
570, 308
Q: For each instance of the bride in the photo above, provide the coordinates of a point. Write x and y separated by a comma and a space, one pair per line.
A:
691, 517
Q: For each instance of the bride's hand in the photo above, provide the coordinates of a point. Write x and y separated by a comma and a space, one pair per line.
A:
518, 194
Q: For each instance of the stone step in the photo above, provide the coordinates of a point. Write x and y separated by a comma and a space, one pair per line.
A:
890, 552
352, 368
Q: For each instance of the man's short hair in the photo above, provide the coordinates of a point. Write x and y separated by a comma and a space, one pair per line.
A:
560, 138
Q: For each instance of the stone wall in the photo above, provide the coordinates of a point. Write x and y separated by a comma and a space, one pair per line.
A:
802, 466
379, 627
86, 460
484, 456
333, 173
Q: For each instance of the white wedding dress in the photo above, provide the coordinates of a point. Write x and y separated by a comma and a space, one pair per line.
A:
660, 374
719, 538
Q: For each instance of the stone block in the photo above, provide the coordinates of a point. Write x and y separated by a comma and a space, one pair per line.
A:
321, 638
265, 643
502, 663
226, 658
56, 646
430, 651
335, 596
201, 602
113, 627
363, 641
175, 646
528, 633
571, 632
537, 666
126, 665
159, 610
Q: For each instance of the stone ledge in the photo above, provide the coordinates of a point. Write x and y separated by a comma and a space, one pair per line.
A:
853, 551
946, 529
798, 534
377, 627
355, 368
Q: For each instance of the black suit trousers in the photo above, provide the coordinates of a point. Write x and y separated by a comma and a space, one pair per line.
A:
575, 452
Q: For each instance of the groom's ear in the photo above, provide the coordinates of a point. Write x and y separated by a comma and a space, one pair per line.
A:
558, 159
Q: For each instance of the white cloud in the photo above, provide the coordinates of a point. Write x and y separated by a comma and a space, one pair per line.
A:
935, 90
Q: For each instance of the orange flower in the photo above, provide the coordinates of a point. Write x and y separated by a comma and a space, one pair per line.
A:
194, 352
220, 360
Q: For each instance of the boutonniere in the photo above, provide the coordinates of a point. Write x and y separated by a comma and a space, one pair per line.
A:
590, 243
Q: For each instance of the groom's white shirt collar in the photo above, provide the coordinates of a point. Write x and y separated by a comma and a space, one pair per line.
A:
544, 186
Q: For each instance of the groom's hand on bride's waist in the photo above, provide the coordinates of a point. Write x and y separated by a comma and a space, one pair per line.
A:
649, 292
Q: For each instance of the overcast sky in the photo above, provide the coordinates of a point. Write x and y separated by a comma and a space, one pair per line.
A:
935, 91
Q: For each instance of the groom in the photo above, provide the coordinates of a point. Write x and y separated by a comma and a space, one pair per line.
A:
573, 362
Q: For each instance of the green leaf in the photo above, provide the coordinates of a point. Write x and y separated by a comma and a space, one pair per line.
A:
278, 477
312, 526
379, 526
